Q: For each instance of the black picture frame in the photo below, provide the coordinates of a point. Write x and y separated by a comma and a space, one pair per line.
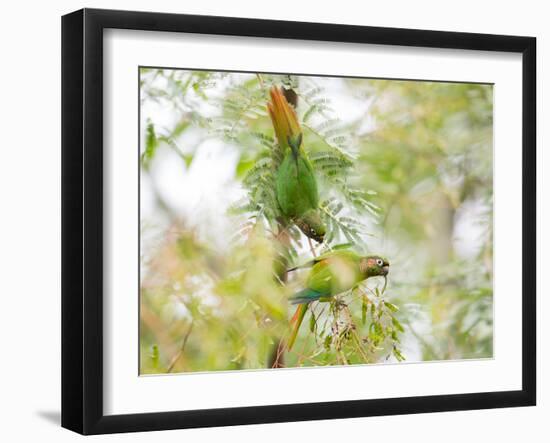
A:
82, 220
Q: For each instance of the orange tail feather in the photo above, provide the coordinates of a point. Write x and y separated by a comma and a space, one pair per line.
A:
296, 321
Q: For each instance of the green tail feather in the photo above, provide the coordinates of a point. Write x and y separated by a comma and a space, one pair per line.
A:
304, 296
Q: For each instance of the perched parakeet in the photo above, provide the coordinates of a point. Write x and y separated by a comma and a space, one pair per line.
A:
296, 186
331, 274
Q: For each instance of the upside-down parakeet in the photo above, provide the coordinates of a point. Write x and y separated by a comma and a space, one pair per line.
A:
296, 185
331, 274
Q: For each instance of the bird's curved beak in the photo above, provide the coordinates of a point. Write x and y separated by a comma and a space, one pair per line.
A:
386, 268
319, 238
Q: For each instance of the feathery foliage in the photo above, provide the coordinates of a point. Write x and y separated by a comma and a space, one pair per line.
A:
396, 177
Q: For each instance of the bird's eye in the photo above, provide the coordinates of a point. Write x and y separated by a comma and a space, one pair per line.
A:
379, 262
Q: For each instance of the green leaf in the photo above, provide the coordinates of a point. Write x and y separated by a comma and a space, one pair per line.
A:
312, 323
391, 306
151, 144
397, 325
243, 167
364, 310
398, 355
154, 356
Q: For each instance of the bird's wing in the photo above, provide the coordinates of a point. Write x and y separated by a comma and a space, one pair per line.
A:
339, 253
308, 183
286, 185
320, 278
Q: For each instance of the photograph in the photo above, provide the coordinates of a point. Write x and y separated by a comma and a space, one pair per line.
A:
292, 220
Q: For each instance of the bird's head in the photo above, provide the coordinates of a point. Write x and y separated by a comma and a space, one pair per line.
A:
312, 225
374, 266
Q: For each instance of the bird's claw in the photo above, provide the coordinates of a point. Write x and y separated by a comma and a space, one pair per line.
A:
339, 303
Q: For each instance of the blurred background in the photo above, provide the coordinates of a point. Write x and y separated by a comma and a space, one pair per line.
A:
405, 171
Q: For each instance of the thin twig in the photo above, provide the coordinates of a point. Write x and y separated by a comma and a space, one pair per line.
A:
311, 247
182, 348
355, 335
260, 79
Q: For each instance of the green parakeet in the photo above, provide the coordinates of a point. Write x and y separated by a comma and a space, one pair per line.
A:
331, 274
296, 186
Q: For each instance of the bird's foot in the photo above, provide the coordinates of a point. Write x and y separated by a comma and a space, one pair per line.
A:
339, 303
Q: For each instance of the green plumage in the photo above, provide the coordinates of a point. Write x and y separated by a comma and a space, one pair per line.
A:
295, 183
331, 274
337, 272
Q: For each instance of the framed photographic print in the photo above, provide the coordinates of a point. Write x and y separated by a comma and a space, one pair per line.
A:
270, 221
